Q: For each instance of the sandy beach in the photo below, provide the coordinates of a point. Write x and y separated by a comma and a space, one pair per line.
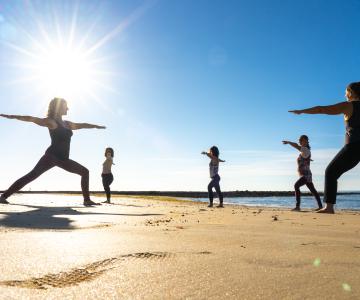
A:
149, 248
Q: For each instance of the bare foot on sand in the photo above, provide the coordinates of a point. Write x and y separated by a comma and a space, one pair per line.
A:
210, 205
90, 203
106, 201
220, 205
328, 209
3, 200
296, 209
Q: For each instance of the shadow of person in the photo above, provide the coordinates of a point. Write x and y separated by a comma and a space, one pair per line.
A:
42, 217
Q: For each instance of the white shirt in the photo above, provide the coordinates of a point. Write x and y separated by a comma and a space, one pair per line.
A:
305, 152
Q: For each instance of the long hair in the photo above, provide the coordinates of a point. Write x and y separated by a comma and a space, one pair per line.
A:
54, 107
215, 151
306, 138
111, 150
354, 88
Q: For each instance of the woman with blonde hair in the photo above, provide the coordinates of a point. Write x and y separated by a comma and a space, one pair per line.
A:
58, 152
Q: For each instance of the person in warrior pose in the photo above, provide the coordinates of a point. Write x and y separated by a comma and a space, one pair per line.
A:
304, 170
213, 154
58, 152
349, 156
107, 176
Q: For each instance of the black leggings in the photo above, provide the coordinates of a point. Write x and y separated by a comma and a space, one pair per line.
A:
47, 162
107, 179
347, 158
215, 183
310, 186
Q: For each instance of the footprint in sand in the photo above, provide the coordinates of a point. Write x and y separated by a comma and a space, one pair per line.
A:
90, 271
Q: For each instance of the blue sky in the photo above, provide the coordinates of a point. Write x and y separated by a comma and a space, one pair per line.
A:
172, 78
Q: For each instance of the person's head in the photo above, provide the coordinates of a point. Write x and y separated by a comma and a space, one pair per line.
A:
304, 141
109, 152
352, 92
57, 108
215, 151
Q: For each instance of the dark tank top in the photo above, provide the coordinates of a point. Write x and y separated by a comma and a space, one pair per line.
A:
353, 125
60, 142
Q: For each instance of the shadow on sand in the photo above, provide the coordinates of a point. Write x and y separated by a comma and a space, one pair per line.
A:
51, 217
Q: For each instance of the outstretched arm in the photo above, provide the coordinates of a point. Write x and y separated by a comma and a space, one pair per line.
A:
208, 154
212, 156
296, 146
75, 126
45, 122
336, 109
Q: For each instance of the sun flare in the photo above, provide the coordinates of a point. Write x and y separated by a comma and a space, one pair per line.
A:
65, 72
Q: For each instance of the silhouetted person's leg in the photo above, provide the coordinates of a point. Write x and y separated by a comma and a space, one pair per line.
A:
218, 190
297, 185
45, 163
312, 189
347, 158
74, 167
107, 179
210, 191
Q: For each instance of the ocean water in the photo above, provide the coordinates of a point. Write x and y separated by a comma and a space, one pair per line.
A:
351, 201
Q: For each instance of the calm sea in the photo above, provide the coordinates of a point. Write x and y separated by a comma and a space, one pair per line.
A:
351, 201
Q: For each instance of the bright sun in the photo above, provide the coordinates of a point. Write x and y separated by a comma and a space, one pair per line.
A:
65, 72
64, 60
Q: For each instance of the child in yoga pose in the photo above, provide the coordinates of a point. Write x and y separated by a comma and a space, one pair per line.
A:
304, 171
213, 154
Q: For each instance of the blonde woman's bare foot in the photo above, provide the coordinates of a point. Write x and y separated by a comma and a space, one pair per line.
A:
106, 201
326, 210
3, 200
90, 203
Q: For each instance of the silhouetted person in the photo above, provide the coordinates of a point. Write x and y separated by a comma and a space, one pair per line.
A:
58, 152
304, 171
107, 176
213, 154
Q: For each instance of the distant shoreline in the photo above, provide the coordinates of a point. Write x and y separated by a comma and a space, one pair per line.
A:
187, 194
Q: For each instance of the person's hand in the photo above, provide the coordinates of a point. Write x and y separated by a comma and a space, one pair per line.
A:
7, 116
296, 112
204, 153
285, 142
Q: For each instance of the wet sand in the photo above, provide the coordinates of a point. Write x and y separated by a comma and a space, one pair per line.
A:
53, 248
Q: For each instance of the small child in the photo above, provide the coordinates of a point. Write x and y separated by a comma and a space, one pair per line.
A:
304, 171
213, 154
107, 176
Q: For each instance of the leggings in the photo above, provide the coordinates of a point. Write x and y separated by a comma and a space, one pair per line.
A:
347, 158
310, 186
107, 179
47, 162
215, 183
